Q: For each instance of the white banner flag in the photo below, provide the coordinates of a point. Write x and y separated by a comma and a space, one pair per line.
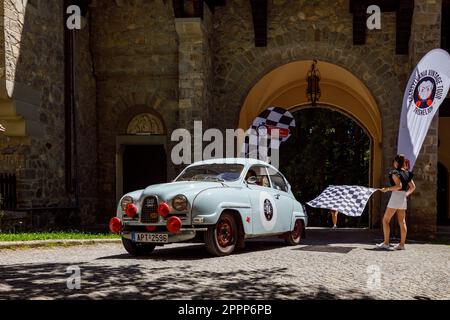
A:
426, 89
349, 200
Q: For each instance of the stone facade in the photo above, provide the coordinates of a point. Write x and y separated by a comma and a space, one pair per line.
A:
325, 35
33, 98
33, 84
86, 160
136, 66
425, 34
135, 57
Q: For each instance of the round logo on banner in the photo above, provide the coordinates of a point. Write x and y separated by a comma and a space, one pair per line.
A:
267, 210
426, 88
424, 93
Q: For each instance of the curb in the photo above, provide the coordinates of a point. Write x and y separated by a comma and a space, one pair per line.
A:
46, 243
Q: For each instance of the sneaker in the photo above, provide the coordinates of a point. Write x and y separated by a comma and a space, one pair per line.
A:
399, 247
383, 246
334, 227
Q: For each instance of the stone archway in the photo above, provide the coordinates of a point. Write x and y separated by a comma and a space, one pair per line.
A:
285, 86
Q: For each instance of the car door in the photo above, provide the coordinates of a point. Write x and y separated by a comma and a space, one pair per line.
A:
284, 201
264, 206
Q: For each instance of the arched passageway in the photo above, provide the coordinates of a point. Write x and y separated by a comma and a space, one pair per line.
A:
342, 91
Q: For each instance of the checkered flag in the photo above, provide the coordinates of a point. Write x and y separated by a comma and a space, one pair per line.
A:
349, 200
271, 127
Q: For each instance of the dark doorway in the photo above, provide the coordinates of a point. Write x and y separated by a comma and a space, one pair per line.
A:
326, 148
143, 165
442, 195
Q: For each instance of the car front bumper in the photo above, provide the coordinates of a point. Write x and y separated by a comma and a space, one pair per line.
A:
185, 234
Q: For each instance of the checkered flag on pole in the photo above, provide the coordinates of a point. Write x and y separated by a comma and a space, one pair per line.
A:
271, 127
349, 200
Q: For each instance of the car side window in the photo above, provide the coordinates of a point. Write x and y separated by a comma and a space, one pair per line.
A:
278, 181
262, 178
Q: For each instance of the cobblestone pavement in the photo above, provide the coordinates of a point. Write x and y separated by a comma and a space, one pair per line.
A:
329, 264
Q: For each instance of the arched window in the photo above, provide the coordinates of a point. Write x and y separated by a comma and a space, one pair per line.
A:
145, 124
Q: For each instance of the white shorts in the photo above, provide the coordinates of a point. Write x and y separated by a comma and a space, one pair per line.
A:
398, 200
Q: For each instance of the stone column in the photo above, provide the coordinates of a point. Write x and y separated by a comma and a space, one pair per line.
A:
19, 103
195, 72
422, 211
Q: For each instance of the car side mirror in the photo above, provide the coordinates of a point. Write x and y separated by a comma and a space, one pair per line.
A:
251, 180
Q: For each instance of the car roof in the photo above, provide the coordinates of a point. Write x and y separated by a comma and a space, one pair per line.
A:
242, 161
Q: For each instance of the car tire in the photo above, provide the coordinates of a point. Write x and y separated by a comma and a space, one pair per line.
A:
221, 239
137, 249
294, 237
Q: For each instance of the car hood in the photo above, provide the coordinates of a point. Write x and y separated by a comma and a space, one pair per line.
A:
190, 189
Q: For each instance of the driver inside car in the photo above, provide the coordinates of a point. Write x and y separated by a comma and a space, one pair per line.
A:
250, 173
261, 179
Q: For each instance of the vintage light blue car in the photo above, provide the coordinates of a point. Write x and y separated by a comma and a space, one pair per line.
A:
220, 202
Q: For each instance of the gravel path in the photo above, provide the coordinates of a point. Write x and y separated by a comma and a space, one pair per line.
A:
329, 264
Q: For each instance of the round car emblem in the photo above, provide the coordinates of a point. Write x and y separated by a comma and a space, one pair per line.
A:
268, 209
154, 215
149, 203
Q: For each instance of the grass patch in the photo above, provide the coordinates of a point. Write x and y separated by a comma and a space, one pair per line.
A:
29, 236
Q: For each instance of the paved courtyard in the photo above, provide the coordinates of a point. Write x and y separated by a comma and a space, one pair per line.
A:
329, 264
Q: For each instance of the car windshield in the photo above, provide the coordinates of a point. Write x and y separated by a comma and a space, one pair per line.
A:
212, 172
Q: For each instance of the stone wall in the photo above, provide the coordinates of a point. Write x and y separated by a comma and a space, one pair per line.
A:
136, 65
13, 150
196, 79
34, 79
426, 35
304, 30
85, 165
131, 57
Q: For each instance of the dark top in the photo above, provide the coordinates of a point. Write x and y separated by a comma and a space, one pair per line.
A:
404, 175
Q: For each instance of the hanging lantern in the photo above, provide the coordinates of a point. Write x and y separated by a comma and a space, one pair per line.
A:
313, 79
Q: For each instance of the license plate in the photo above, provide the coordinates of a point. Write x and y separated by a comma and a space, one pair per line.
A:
150, 237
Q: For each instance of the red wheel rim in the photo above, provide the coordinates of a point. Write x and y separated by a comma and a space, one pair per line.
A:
224, 233
297, 230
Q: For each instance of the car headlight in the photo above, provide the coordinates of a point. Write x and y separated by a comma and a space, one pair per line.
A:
125, 201
180, 203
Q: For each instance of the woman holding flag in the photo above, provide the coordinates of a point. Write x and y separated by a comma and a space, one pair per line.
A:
402, 186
